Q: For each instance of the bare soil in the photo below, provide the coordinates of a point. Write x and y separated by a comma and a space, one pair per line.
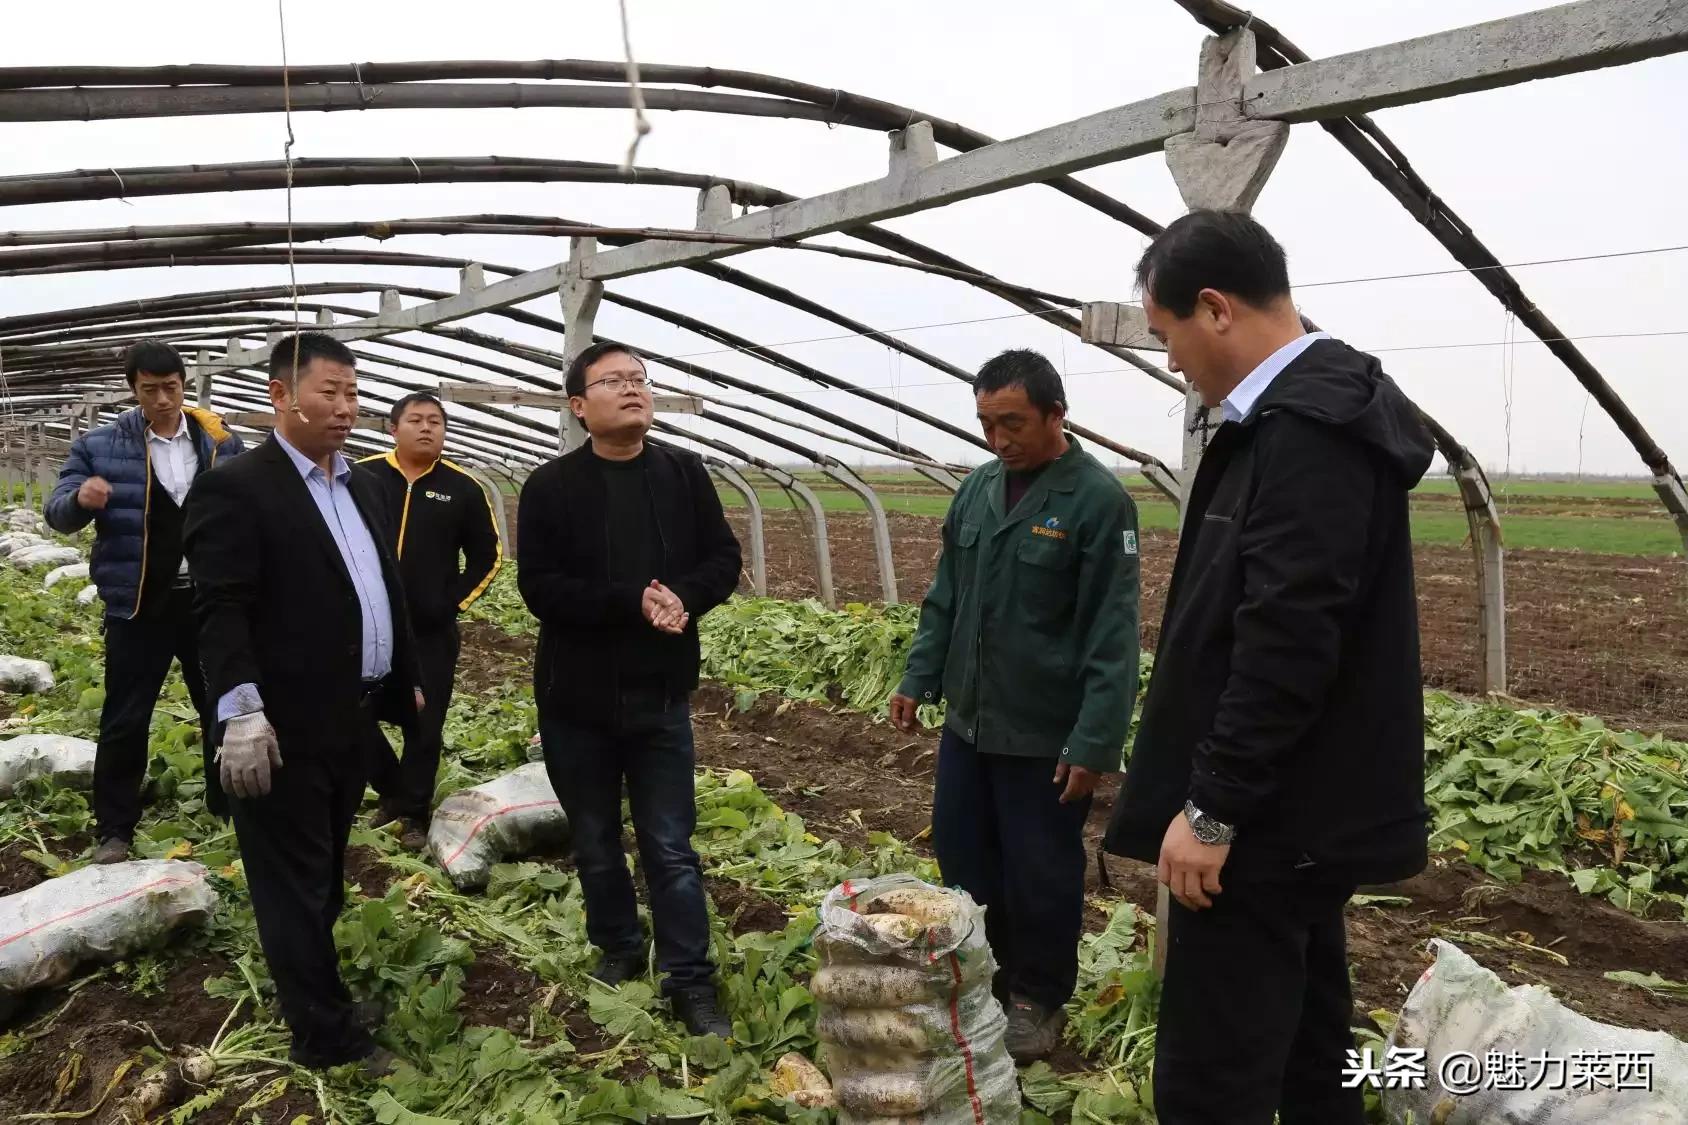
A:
1600, 634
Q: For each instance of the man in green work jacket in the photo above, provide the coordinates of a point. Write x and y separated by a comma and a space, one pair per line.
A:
1029, 632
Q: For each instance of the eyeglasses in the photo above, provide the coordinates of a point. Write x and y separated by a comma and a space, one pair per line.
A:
615, 383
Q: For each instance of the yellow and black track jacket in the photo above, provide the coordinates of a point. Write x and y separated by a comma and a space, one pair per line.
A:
447, 540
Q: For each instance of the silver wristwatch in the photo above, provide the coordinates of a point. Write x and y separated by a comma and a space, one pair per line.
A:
1206, 829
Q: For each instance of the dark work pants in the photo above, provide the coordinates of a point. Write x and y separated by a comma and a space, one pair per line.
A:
293, 842
1255, 1008
1002, 835
137, 659
647, 743
406, 783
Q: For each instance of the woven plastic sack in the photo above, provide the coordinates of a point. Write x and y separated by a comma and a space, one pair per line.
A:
44, 554
87, 594
1458, 1007
909, 1028
22, 519
20, 674
68, 761
100, 913
60, 574
509, 816
14, 541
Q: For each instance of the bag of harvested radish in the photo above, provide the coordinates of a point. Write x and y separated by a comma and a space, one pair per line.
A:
909, 1029
100, 913
510, 816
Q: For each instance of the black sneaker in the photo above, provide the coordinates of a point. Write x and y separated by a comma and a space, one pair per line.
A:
1033, 1030
700, 1011
414, 838
111, 850
617, 971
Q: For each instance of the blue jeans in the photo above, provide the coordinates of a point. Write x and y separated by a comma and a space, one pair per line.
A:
648, 744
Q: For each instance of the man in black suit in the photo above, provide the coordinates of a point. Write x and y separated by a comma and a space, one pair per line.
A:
305, 642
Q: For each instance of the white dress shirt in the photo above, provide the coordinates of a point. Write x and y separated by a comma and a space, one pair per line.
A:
1241, 400
174, 463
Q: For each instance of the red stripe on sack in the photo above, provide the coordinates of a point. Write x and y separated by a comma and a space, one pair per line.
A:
961, 1041
482, 823
161, 881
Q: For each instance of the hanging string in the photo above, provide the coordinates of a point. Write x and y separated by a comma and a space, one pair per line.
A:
1508, 369
641, 125
1582, 426
287, 155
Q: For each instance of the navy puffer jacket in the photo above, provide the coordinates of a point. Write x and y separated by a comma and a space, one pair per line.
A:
118, 452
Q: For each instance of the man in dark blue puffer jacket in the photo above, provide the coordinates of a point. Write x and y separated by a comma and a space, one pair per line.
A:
129, 478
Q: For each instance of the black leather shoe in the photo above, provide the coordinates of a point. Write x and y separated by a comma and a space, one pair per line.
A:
111, 850
617, 971
700, 1011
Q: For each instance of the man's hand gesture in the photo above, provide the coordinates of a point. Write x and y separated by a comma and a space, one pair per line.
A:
903, 713
1077, 782
93, 494
663, 609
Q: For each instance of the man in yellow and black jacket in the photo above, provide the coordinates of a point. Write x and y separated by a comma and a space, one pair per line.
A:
449, 551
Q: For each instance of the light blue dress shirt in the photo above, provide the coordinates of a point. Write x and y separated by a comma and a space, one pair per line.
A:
1241, 400
363, 562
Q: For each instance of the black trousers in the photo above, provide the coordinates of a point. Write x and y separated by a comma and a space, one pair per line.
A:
137, 659
293, 843
1002, 835
1255, 1008
406, 783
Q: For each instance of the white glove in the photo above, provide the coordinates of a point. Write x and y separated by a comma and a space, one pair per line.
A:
248, 754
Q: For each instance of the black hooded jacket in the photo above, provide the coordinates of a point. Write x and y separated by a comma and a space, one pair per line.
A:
1286, 697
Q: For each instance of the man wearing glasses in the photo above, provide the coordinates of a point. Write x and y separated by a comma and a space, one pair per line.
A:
621, 547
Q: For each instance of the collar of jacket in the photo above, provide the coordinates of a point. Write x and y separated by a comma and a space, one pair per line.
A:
1057, 476
391, 460
133, 422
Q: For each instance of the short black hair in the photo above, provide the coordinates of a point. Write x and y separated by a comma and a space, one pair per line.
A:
574, 380
155, 358
411, 400
291, 354
1223, 250
1022, 367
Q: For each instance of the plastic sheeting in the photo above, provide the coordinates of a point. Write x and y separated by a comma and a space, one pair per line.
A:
22, 519
74, 570
68, 761
513, 815
44, 554
100, 913
909, 1028
87, 594
1494, 1055
13, 541
20, 674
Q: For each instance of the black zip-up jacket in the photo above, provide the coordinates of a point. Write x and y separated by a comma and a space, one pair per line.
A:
445, 513
587, 615
1286, 698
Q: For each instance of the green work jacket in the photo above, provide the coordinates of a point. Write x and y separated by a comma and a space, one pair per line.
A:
1029, 631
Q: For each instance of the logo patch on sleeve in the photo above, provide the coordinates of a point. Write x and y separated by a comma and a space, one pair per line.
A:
1130, 542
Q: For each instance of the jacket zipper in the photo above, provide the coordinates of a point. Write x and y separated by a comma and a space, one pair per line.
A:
404, 517
146, 519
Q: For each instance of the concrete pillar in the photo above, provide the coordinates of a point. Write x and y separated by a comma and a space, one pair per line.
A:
1489, 557
1670, 490
28, 471
817, 523
202, 379
580, 298
471, 278
881, 527
758, 535
714, 207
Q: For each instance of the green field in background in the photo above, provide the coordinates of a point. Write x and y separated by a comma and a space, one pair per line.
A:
1641, 535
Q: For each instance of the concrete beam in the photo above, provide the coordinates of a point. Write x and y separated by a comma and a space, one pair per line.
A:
517, 396
1584, 36
1566, 39
580, 298
1117, 324
1224, 162
265, 420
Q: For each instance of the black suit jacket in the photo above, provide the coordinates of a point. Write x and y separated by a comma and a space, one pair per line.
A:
276, 605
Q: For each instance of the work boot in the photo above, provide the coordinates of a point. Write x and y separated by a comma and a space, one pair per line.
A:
376, 1065
386, 813
414, 838
1033, 1030
369, 1014
111, 850
700, 1011
616, 971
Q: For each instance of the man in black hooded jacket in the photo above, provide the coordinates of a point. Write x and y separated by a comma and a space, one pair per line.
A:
1280, 759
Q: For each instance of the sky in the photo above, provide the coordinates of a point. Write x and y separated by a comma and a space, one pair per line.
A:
1590, 164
